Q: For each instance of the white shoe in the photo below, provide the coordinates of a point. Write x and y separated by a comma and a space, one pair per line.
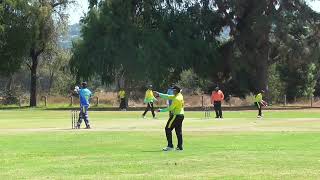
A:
259, 117
168, 149
144, 117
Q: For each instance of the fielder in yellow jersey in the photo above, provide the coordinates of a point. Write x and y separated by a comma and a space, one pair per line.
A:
122, 97
259, 102
149, 99
175, 121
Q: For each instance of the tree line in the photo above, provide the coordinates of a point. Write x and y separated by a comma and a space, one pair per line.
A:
242, 46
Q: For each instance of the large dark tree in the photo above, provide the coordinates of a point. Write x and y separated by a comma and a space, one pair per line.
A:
147, 40
156, 40
258, 32
14, 35
46, 19
28, 29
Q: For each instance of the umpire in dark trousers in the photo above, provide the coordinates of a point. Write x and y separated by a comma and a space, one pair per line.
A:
217, 97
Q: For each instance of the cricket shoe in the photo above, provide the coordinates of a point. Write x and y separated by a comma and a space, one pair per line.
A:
168, 149
259, 117
179, 149
144, 117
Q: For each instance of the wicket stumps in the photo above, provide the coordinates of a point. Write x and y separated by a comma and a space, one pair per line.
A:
74, 119
207, 112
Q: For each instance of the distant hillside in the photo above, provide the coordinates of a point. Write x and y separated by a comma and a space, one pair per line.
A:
73, 33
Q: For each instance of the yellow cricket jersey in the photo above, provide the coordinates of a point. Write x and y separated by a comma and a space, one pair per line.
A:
122, 94
258, 98
149, 97
177, 106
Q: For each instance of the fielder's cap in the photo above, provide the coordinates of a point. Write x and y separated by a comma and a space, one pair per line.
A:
217, 88
176, 88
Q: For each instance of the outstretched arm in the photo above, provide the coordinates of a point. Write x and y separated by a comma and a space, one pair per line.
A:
164, 96
170, 108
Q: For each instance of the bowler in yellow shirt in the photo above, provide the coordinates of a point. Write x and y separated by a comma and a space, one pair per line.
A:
175, 121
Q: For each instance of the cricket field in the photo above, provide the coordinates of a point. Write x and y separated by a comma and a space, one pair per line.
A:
40, 144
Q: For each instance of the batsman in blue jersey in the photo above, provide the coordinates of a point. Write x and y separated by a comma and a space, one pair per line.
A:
84, 95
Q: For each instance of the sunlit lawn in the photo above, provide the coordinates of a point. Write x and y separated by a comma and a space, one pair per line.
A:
37, 144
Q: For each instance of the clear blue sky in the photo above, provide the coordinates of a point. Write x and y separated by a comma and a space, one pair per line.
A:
76, 11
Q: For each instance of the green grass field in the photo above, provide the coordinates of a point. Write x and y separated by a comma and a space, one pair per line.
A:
39, 144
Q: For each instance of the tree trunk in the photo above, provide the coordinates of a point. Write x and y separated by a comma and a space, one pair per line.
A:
10, 83
78, 79
33, 87
262, 71
262, 59
262, 75
50, 82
